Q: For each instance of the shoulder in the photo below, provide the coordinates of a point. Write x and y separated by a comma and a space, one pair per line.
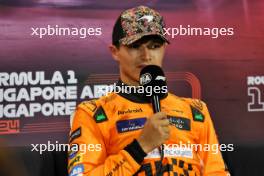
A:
196, 103
96, 109
100, 109
91, 106
198, 107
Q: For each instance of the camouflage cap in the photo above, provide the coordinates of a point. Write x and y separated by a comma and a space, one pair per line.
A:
135, 23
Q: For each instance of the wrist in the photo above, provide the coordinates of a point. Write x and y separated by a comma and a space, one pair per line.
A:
144, 145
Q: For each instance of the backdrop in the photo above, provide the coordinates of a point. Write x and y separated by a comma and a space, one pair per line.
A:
54, 54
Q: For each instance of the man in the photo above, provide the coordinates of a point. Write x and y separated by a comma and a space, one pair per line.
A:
123, 133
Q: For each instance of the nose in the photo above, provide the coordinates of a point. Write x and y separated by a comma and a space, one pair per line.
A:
145, 53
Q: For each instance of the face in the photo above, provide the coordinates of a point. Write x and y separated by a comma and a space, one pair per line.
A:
132, 58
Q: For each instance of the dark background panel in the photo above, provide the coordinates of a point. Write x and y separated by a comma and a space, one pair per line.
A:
221, 65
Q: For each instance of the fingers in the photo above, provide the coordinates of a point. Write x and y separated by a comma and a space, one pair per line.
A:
164, 123
161, 119
165, 132
160, 115
164, 129
155, 132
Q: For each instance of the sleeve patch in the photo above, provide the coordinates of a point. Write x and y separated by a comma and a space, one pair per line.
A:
75, 134
77, 170
100, 115
72, 154
76, 160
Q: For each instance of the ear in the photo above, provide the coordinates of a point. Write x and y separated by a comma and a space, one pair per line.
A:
114, 51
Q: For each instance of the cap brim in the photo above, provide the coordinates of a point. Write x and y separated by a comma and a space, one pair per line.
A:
131, 39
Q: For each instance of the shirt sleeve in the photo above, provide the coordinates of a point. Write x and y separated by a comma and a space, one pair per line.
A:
91, 157
212, 161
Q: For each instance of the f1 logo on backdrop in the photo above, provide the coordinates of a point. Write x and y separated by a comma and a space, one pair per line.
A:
254, 91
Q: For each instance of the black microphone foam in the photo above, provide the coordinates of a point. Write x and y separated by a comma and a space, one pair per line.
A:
153, 76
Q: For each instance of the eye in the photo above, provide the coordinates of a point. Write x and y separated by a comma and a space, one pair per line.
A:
154, 45
134, 45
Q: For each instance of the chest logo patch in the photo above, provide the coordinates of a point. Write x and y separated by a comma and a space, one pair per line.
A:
130, 124
180, 122
100, 115
197, 115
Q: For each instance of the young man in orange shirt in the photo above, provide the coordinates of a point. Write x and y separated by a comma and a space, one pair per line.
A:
124, 129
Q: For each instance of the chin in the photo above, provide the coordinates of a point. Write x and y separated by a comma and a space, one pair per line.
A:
135, 78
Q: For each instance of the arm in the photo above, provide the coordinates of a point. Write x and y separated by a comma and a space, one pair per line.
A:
98, 162
213, 163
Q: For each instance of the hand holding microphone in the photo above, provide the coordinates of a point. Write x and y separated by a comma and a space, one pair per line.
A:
155, 132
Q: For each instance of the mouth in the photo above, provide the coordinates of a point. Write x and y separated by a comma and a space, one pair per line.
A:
142, 66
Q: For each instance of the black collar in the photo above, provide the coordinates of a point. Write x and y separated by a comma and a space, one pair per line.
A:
135, 96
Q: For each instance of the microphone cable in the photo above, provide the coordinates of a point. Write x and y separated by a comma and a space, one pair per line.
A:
161, 151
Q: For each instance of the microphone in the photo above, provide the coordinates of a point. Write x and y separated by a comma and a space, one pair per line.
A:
152, 76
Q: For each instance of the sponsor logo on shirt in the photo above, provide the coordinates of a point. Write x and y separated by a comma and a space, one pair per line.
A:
180, 122
130, 111
171, 152
130, 125
100, 115
197, 115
